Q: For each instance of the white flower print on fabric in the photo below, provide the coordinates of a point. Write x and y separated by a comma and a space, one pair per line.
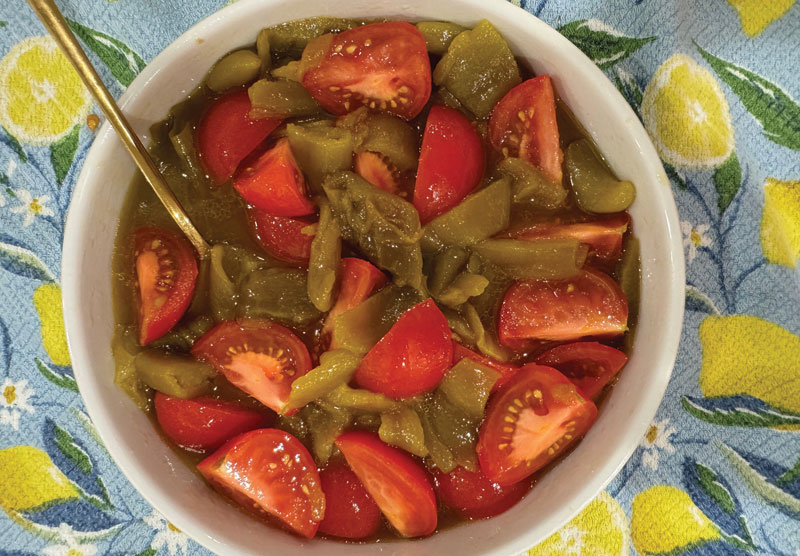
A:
167, 535
695, 237
31, 206
14, 398
657, 440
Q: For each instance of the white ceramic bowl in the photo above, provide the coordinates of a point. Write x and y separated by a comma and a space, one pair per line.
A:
179, 494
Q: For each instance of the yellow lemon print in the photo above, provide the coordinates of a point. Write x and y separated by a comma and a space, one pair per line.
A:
47, 300
687, 116
41, 95
31, 481
601, 529
780, 222
746, 355
756, 15
664, 519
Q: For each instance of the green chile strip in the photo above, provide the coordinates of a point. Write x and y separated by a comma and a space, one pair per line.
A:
234, 70
540, 259
403, 429
335, 367
174, 375
281, 99
326, 251
596, 188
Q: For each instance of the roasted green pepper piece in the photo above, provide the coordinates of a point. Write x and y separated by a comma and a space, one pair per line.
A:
629, 276
234, 70
450, 434
486, 343
290, 71
467, 386
320, 149
466, 285
290, 38
183, 143
174, 375
446, 267
184, 336
125, 347
477, 217
222, 291
296, 424
325, 425
278, 293
335, 367
403, 429
281, 99
458, 325
361, 400
596, 188
540, 259
263, 50
439, 34
530, 185
326, 251
478, 68
385, 134
439, 454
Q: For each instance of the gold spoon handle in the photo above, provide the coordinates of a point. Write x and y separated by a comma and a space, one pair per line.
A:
52, 19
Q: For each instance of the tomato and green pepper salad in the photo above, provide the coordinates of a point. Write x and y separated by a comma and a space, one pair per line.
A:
422, 278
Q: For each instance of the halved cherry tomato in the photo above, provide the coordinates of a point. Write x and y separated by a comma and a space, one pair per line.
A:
376, 170
358, 279
382, 65
397, 482
473, 495
451, 162
166, 272
226, 135
506, 370
274, 183
589, 365
604, 237
529, 421
287, 239
523, 124
350, 512
590, 304
269, 470
412, 357
258, 356
204, 423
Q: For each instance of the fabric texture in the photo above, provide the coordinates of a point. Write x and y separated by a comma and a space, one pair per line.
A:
717, 86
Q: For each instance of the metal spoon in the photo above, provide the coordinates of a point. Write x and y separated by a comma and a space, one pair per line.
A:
52, 19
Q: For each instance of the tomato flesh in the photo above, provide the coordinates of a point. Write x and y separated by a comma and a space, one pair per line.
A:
382, 65
412, 357
287, 239
358, 279
506, 370
166, 273
529, 422
274, 183
397, 482
376, 170
451, 162
226, 135
257, 356
589, 365
473, 495
590, 304
271, 471
523, 124
204, 423
350, 512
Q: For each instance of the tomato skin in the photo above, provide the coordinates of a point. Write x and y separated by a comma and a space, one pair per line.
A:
350, 512
373, 168
274, 183
506, 370
226, 135
257, 356
204, 423
281, 236
589, 365
397, 482
553, 414
473, 495
451, 162
536, 130
589, 304
243, 470
412, 357
382, 65
166, 273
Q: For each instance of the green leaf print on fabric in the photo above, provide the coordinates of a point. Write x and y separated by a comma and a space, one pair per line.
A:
775, 110
603, 44
23, 262
728, 180
698, 301
62, 153
71, 450
739, 411
12, 141
124, 63
59, 379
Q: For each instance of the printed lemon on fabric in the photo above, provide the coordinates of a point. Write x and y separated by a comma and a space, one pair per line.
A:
41, 96
756, 15
601, 529
780, 222
687, 116
31, 481
47, 299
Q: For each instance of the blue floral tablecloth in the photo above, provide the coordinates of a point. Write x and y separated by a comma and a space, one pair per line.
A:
716, 83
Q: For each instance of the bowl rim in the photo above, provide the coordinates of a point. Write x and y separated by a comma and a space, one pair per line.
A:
71, 270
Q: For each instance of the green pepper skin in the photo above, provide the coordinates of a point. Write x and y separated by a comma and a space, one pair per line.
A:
277, 293
403, 428
326, 252
320, 149
439, 34
336, 367
596, 189
467, 386
281, 99
234, 70
541, 259
531, 186
174, 375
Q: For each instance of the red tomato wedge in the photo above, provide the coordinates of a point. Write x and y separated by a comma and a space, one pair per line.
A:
506, 370
271, 471
412, 357
258, 356
358, 279
523, 124
451, 162
350, 512
529, 421
274, 183
382, 65
287, 239
604, 237
589, 365
226, 135
473, 495
166, 272
376, 170
397, 482
590, 304
204, 423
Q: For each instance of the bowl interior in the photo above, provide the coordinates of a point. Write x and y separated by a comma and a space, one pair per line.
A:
183, 498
